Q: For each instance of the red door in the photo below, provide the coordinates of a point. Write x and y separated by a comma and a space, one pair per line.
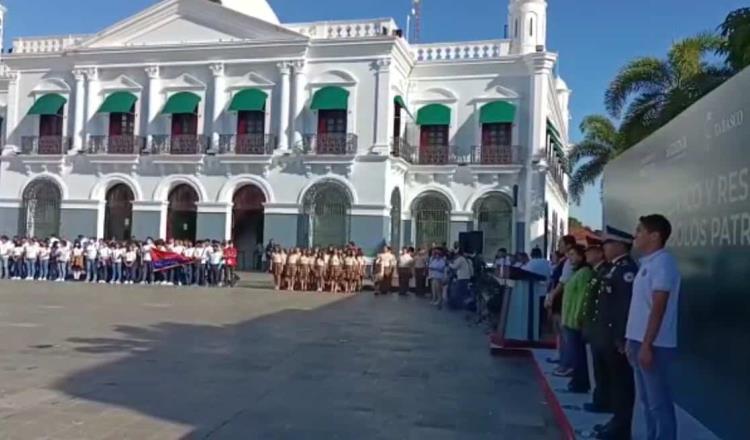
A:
50, 133
121, 133
184, 133
496, 143
331, 132
251, 126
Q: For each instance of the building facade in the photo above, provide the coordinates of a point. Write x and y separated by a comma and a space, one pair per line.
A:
211, 119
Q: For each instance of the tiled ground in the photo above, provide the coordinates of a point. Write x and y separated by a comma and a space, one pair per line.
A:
130, 362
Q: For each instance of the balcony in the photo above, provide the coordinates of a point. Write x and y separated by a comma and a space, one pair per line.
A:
45, 145
247, 144
340, 144
456, 155
127, 145
183, 144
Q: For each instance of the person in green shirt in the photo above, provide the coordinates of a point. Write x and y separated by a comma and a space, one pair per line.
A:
573, 313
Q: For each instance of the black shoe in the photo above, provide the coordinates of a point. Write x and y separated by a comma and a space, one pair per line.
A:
596, 409
553, 361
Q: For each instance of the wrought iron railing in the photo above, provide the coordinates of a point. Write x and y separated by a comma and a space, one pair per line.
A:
45, 144
456, 154
179, 144
121, 144
258, 144
330, 143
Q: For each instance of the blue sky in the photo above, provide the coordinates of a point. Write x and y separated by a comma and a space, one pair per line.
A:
594, 37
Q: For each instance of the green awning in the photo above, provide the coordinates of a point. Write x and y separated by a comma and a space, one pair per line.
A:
118, 102
497, 112
183, 102
330, 98
249, 100
49, 104
552, 130
400, 101
434, 114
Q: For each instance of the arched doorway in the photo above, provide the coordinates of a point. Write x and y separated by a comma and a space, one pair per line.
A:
40, 210
182, 213
247, 225
494, 215
326, 212
432, 216
118, 214
396, 219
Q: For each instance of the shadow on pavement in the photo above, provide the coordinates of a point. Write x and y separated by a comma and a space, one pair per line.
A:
358, 368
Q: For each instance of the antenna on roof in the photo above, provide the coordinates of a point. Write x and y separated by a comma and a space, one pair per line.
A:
416, 12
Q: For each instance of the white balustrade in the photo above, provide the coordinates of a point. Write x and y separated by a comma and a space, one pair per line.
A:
470, 50
338, 30
46, 44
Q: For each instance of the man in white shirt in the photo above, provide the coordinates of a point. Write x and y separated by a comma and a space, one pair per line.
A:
651, 331
459, 287
538, 265
105, 262
18, 263
215, 257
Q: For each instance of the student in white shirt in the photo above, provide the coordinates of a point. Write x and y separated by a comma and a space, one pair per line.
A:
18, 262
92, 269
188, 271
147, 265
78, 265
31, 255
5, 252
215, 258
63, 260
117, 252
105, 262
129, 260
44, 257
203, 255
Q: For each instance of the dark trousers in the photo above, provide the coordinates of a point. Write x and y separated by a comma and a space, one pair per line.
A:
602, 378
387, 283
622, 392
420, 281
576, 355
404, 279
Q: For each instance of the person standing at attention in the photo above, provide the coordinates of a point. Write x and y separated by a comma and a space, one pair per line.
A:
651, 330
405, 267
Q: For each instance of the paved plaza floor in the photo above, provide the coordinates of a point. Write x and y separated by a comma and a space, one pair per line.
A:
80, 361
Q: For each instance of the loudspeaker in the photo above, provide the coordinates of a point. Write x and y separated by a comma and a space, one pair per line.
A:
471, 242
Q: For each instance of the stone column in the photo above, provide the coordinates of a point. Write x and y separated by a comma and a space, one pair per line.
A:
383, 106
213, 125
541, 66
151, 104
297, 124
284, 106
13, 140
79, 108
93, 100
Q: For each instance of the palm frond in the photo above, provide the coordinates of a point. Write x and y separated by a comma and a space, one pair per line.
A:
736, 31
598, 128
686, 57
642, 75
585, 175
588, 149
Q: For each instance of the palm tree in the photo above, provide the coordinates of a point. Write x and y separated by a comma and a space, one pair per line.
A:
649, 92
736, 31
601, 143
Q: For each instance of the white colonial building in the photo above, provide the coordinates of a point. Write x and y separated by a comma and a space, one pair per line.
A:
211, 119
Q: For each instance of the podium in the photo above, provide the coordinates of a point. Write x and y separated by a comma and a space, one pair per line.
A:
520, 317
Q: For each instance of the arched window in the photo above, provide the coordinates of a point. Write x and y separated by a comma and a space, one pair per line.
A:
182, 213
396, 219
118, 214
516, 28
531, 26
40, 210
495, 219
432, 215
326, 209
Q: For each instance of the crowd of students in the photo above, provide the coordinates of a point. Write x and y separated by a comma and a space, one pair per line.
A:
204, 263
332, 269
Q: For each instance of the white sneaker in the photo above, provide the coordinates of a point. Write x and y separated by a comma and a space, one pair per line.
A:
102, 282
141, 283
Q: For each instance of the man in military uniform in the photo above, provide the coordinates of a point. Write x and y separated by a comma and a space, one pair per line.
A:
614, 306
595, 331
